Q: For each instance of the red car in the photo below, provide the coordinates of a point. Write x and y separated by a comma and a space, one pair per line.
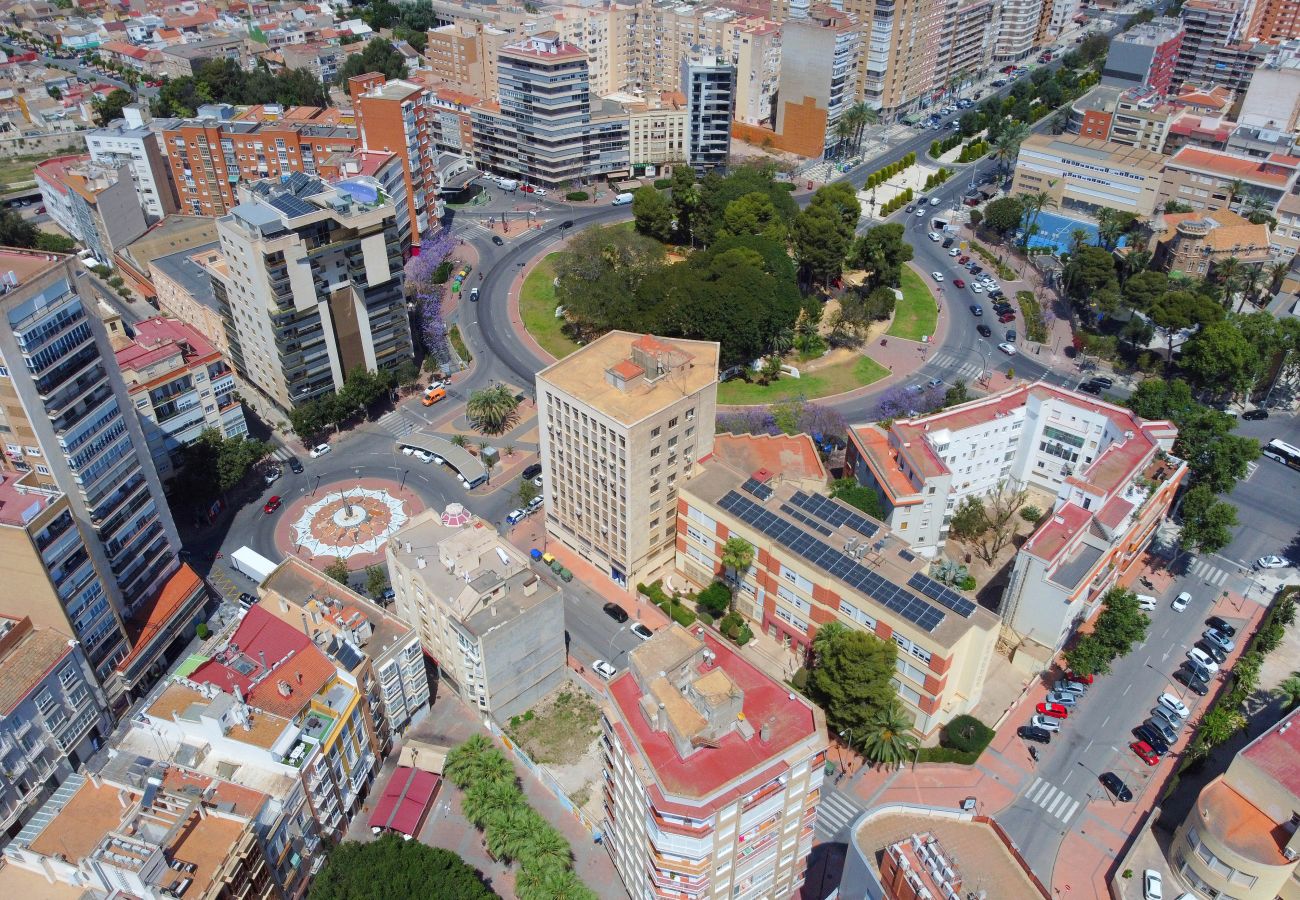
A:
1145, 753
272, 505
1007, 317
1079, 679
1055, 710
957, 282
963, 259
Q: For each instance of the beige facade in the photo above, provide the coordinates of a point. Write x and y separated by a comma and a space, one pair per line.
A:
188, 299
756, 51
1204, 179
463, 56
623, 422
1193, 243
1084, 174
658, 135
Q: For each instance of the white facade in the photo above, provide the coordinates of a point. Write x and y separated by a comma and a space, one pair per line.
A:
130, 140
1017, 28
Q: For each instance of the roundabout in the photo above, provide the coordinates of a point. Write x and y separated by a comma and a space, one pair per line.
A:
350, 522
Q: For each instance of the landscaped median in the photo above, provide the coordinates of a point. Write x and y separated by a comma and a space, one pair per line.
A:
537, 309
825, 382
917, 314
1035, 325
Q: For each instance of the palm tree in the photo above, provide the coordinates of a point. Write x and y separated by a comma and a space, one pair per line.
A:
1137, 260
1236, 188
1277, 274
737, 556
510, 830
888, 739
1226, 273
781, 342
484, 799
1289, 692
459, 766
1009, 141
1249, 279
863, 115
492, 410
843, 130
1034, 205
1110, 227
1078, 238
549, 848
1256, 207
552, 884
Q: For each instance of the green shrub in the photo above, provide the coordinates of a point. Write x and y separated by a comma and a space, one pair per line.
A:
662, 183
202, 631
715, 599
577, 196
681, 615
1031, 514
1035, 327
443, 272
655, 591
800, 680
704, 617
788, 186
967, 734
946, 755
967, 583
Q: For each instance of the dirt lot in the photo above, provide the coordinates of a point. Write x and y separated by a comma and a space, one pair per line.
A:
561, 729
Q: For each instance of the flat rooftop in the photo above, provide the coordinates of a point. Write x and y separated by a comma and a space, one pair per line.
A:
78, 829
28, 264
183, 268
18, 505
972, 848
583, 375
1119, 156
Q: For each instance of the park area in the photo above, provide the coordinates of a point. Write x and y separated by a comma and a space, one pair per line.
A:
916, 315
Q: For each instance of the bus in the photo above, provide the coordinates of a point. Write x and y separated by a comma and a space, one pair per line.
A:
1283, 453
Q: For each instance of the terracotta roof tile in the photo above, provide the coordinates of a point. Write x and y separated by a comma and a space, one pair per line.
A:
28, 662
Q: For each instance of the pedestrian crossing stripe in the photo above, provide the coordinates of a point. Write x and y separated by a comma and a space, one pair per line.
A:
1052, 800
834, 812
1208, 573
283, 454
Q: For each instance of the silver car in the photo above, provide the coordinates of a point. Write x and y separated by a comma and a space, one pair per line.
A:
1168, 716
1065, 698
1070, 687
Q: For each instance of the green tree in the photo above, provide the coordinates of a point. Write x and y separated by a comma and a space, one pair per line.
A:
109, 109
754, 214
553, 884
1207, 521
15, 231
1090, 270
823, 232
1217, 726
1088, 656
881, 252
737, 557
509, 831
378, 56
527, 492
854, 494
1007, 145
376, 580
492, 410
212, 465
1141, 291
1288, 691
485, 797
986, 523
957, 394
308, 419
1121, 622
715, 599
1215, 456
390, 868
851, 678
338, 570
1176, 311
717, 191
1004, 215
685, 198
598, 277
1220, 359
652, 214
887, 739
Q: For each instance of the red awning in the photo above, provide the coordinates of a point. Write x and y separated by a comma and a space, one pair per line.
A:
405, 801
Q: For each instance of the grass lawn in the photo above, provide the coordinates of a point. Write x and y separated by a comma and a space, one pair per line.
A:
917, 313
836, 379
537, 308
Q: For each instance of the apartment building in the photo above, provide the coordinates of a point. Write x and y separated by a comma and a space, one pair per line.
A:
494, 626
1145, 56
544, 130
158, 834
1017, 29
816, 560
1274, 21
321, 58
1108, 476
1215, 47
384, 167
712, 773
1194, 243
1203, 179
756, 54
311, 286
463, 56
1239, 838
52, 716
607, 34
622, 423
213, 153
657, 131
179, 386
659, 35
710, 89
1054, 18
819, 61
95, 203
89, 545
1272, 99
1085, 174
380, 651
393, 116
1286, 235
131, 140
182, 283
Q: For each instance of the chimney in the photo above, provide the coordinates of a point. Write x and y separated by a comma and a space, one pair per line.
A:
262, 656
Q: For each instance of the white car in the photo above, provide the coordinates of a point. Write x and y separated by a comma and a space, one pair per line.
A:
423, 456
1272, 562
920, 214
1152, 886
1201, 658
977, 287
516, 516
1146, 601
641, 631
604, 669
934, 236
408, 450
271, 474
1047, 723
1181, 601
934, 201
1007, 348
1174, 704
320, 450
937, 276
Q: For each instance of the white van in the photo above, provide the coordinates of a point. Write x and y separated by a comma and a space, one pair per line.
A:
622, 199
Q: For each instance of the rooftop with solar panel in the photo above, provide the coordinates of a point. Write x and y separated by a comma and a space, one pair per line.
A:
271, 206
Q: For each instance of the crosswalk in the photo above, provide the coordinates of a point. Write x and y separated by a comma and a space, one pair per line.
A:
953, 367
833, 813
399, 423
281, 454
1052, 800
1208, 573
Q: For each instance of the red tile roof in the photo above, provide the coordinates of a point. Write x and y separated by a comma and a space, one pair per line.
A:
1114, 512
1055, 534
159, 337
156, 615
1277, 753
627, 370
1276, 171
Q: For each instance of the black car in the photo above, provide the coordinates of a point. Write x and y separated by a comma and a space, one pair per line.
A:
616, 612
1035, 734
1152, 737
1011, 335
532, 471
1220, 626
1197, 671
294, 466
984, 330
1103, 380
1116, 786
247, 600
496, 239
1194, 684
1091, 387
1254, 415
1212, 651
567, 223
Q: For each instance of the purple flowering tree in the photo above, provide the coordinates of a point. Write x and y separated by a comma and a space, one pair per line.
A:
420, 272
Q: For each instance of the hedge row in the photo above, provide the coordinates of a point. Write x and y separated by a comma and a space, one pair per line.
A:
898, 202
937, 178
577, 196
880, 176
943, 145
1035, 327
973, 151
675, 609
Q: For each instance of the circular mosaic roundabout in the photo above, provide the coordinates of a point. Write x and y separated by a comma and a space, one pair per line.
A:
346, 523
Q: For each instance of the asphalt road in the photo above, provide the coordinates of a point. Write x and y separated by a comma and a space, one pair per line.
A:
1266, 500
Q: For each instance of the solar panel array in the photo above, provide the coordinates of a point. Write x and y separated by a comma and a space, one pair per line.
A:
906, 555
757, 488
807, 520
834, 514
822, 555
291, 206
942, 594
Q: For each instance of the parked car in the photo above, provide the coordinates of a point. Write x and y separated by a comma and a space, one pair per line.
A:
473, 295
1254, 415
616, 612
271, 474
977, 288
1008, 349
1146, 602
1220, 640
934, 236
1011, 335
1065, 698
320, 450
1081, 679
1172, 703
531, 471
1200, 669
1163, 728
937, 276
1168, 717
1154, 738
1055, 710
515, 516
1066, 686
1181, 601
1047, 723
535, 504
604, 669
247, 601
295, 466
1221, 626
1089, 387
641, 631
1213, 651
272, 505
1144, 752
1266, 562
1152, 886
1104, 380
984, 330
1194, 684
1006, 317
1035, 734
1118, 789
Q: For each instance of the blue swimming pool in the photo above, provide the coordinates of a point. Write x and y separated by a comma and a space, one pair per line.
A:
1056, 231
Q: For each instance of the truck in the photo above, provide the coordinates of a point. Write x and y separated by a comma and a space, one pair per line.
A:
248, 561
623, 199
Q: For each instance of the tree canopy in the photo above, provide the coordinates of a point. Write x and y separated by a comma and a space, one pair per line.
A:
1120, 624
393, 869
1215, 456
379, 56
109, 109
716, 192
223, 81
851, 676
214, 464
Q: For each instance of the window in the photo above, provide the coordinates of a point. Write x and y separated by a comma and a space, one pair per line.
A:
655, 432
857, 615
672, 423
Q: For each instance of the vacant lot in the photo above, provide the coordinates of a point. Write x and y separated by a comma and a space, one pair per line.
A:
560, 729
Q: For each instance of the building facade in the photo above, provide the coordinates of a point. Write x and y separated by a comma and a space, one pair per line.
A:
1086, 174
1194, 243
311, 288
1215, 47
95, 203
657, 134
1204, 179
1272, 99
53, 715
710, 89
494, 626
819, 63
712, 773
131, 140
1145, 56
623, 422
